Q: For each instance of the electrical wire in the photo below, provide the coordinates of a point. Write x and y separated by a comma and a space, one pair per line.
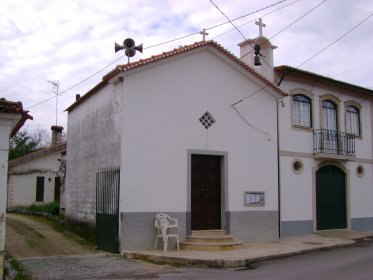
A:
308, 12
233, 105
339, 38
292, 23
269, 137
156, 45
335, 41
240, 17
261, 16
239, 31
82, 81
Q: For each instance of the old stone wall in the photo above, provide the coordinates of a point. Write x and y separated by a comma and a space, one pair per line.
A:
93, 142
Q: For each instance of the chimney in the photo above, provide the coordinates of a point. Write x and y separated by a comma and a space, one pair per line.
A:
247, 55
56, 134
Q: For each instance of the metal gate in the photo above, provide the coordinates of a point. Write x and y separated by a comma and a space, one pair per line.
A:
107, 208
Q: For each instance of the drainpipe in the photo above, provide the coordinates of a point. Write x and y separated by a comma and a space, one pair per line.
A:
278, 162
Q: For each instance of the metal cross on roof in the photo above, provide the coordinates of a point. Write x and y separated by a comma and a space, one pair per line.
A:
261, 25
204, 34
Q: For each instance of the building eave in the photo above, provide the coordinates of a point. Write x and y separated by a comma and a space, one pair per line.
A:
10, 107
59, 148
289, 70
119, 69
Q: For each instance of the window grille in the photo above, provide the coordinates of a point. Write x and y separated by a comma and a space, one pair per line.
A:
207, 120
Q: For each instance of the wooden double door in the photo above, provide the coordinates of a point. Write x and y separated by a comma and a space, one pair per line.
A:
206, 192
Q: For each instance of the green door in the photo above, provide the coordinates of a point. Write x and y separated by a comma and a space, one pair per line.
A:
107, 208
330, 198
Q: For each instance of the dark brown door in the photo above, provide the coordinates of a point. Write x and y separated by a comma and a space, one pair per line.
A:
206, 192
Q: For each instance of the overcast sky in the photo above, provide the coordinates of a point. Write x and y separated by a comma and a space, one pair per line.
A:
70, 40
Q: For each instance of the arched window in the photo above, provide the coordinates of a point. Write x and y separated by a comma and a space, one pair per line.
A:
329, 115
352, 120
302, 110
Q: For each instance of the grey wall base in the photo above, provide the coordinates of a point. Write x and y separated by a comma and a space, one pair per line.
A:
362, 224
248, 226
137, 230
291, 228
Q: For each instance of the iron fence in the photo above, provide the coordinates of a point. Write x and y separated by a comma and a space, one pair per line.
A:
107, 190
333, 142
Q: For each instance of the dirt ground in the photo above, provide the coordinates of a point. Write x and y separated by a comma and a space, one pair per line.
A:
28, 236
48, 252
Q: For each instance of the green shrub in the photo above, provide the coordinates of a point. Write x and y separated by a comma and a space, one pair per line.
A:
52, 208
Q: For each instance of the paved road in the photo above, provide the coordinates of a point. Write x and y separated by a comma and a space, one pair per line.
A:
95, 266
342, 264
49, 254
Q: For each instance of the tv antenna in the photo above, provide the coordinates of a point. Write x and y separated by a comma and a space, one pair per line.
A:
129, 48
56, 87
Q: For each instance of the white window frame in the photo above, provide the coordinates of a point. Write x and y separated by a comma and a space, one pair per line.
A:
353, 121
302, 111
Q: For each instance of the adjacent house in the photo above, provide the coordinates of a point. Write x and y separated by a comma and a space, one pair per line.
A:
12, 118
37, 177
326, 154
219, 142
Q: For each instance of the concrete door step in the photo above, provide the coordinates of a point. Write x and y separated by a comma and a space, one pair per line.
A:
210, 240
214, 246
210, 232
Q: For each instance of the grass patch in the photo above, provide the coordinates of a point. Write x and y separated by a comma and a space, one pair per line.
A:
62, 229
52, 208
5, 272
20, 271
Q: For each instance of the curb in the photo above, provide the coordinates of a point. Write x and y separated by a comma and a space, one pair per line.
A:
221, 262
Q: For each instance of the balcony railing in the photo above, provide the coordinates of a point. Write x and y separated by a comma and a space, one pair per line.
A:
331, 142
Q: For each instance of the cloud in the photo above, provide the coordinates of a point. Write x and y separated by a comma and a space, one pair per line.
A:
69, 40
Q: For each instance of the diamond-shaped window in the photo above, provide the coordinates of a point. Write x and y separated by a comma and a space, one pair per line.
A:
207, 120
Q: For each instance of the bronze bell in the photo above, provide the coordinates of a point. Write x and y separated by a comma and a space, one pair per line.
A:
257, 60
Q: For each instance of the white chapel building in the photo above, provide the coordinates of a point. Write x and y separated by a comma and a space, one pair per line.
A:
218, 143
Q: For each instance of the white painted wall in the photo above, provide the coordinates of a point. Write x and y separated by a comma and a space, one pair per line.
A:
7, 123
296, 190
22, 187
93, 142
298, 140
162, 105
361, 191
266, 49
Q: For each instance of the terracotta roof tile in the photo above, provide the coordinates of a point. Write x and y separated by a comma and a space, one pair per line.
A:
183, 49
11, 107
285, 69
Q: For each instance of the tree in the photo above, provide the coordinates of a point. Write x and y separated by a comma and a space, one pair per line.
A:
25, 142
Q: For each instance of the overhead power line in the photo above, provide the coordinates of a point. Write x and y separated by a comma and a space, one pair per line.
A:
292, 23
261, 16
156, 45
335, 41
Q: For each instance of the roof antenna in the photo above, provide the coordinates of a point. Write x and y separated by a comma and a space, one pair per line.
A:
56, 86
129, 48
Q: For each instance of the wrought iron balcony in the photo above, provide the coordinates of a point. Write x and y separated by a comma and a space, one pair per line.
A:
331, 144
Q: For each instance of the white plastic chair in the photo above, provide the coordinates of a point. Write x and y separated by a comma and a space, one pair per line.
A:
167, 227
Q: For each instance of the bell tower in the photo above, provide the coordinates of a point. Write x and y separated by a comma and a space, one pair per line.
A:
258, 53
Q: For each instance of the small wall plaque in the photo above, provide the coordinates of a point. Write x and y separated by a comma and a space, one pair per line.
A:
254, 198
